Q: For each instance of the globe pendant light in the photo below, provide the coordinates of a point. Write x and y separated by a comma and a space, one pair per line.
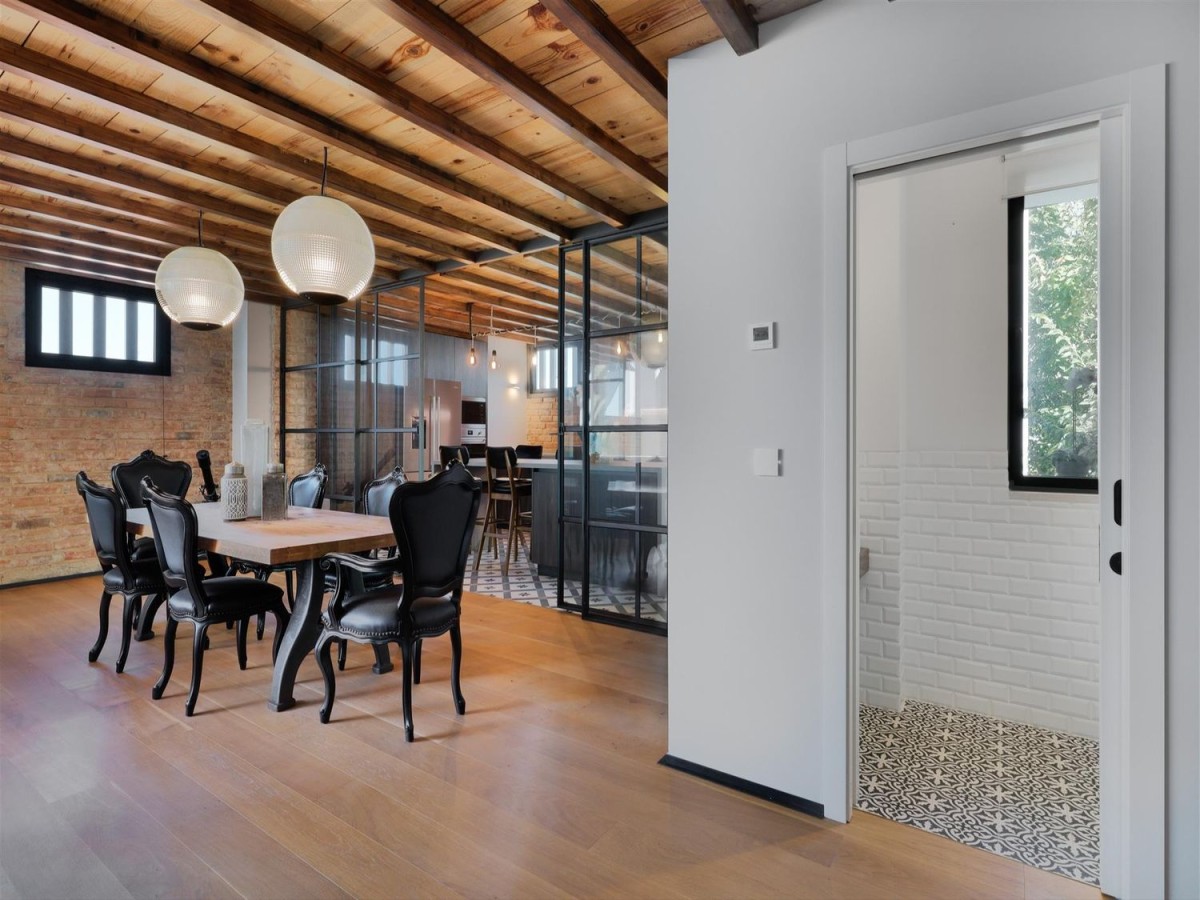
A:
653, 346
322, 248
199, 288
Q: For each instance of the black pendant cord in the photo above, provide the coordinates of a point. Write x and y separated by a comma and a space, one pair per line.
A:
200, 229
324, 172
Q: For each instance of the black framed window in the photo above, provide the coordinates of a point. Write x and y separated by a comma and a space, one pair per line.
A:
1054, 281
543, 367
73, 322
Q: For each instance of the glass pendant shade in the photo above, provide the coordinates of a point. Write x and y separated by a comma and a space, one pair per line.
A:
199, 288
323, 250
653, 348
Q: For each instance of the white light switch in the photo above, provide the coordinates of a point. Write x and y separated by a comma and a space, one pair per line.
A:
768, 462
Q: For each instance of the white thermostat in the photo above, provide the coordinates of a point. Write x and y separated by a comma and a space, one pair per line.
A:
762, 337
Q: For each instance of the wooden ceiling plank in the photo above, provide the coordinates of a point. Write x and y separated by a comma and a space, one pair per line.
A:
108, 139
602, 36
76, 19
40, 68
471, 52
308, 51
735, 22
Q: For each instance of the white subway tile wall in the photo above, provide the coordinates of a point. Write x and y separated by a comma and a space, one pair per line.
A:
978, 597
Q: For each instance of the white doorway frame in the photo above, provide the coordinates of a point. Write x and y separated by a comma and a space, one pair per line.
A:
1133, 684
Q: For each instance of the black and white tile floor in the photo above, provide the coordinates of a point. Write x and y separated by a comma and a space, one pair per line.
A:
524, 584
1023, 792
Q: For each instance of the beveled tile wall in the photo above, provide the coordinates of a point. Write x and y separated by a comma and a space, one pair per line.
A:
992, 595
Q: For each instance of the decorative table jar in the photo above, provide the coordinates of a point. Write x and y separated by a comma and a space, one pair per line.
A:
233, 492
274, 492
256, 441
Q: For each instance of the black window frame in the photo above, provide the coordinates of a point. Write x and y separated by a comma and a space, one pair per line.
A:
36, 279
1017, 479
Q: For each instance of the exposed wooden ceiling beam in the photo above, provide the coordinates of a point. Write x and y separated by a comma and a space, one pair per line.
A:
135, 181
121, 274
71, 220
94, 27
445, 33
598, 33
46, 70
735, 22
302, 49
106, 139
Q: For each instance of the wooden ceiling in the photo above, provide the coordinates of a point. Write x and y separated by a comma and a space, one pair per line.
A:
473, 136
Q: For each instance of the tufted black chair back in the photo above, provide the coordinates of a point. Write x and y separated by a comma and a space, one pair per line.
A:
377, 495
174, 522
308, 490
106, 519
174, 476
433, 521
529, 451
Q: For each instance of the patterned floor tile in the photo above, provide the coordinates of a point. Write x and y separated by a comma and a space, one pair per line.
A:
524, 584
1023, 792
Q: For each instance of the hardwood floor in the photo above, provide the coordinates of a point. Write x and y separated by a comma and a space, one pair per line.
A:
548, 787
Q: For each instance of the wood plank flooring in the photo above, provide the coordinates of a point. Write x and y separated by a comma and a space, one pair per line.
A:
548, 787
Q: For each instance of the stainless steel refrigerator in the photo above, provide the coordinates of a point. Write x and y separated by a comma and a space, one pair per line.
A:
442, 415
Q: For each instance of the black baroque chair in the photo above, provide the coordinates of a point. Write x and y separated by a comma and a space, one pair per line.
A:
432, 521
451, 454
132, 578
175, 477
201, 601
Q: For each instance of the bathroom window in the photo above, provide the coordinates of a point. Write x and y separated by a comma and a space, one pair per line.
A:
85, 323
1053, 362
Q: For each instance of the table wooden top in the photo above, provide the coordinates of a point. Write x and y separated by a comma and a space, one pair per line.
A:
304, 534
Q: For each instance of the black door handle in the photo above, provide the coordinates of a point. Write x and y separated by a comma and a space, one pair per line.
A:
1117, 501
1114, 562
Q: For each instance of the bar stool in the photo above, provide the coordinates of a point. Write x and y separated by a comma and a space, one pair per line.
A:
503, 486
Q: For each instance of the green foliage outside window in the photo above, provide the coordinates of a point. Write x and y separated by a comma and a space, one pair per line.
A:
1063, 291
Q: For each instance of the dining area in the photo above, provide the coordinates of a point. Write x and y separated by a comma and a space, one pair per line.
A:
393, 573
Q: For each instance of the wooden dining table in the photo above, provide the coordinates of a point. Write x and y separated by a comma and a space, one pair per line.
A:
302, 538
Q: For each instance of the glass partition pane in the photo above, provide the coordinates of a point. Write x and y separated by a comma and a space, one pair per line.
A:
624, 388
301, 399
336, 451
632, 488
337, 397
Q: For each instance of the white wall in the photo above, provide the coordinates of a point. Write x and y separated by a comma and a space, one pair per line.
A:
747, 137
507, 388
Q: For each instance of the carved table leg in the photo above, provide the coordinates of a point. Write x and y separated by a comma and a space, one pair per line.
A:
301, 634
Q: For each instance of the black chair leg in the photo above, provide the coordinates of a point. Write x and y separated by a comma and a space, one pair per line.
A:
197, 669
243, 626
406, 651
168, 657
145, 622
129, 614
342, 644
287, 577
105, 602
325, 664
262, 625
460, 704
417, 662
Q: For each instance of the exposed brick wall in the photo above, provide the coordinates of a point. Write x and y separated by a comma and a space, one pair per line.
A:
541, 422
54, 422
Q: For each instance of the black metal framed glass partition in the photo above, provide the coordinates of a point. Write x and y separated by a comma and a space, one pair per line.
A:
351, 388
613, 459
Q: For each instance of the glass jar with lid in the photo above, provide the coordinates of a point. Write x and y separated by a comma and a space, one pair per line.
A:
274, 492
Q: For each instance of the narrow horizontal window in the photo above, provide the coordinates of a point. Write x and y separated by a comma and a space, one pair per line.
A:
73, 322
